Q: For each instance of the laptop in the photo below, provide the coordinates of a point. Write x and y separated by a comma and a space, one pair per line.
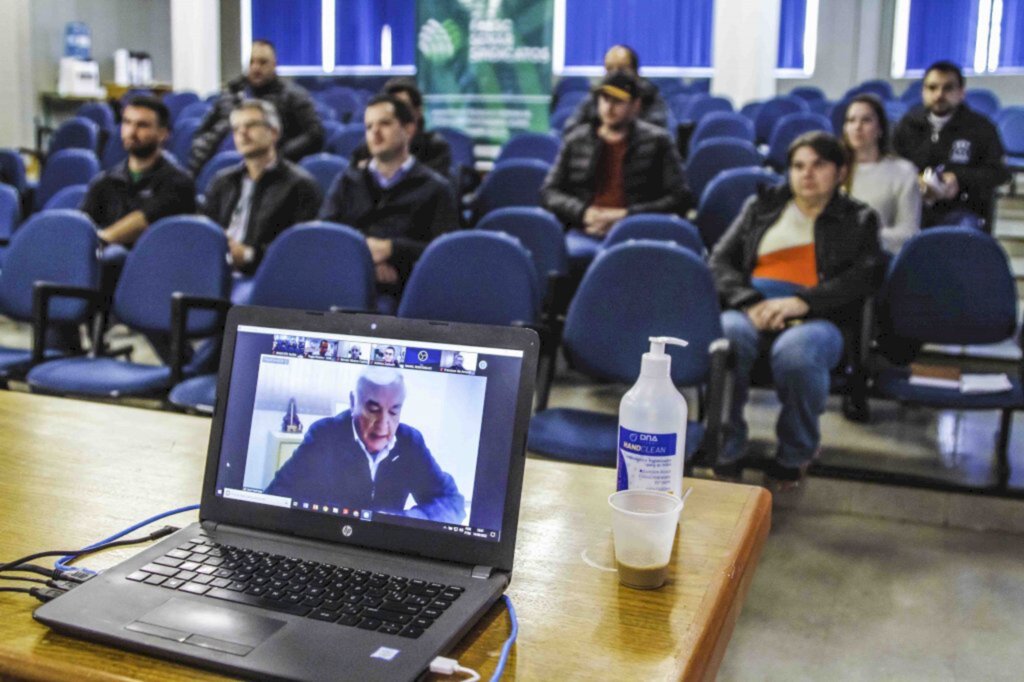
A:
359, 506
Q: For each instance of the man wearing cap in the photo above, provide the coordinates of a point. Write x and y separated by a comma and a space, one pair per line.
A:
615, 166
652, 106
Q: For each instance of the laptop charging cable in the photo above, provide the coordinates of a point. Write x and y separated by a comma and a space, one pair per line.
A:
450, 666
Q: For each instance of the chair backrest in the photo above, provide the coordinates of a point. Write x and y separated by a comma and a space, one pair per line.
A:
772, 110
983, 101
197, 110
460, 144
346, 104
113, 152
723, 124
1011, 129
474, 276
177, 101
540, 146
10, 210
837, 116
634, 291
67, 167
345, 142
713, 156
216, 164
724, 197
679, 104
879, 88
895, 109
325, 111
331, 128
701, 106
75, 133
751, 109
55, 246
12, 170
99, 113
68, 197
175, 254
970, 299
515, 182
180, 143
538, 231
912, 95
558, 119
808, 92
568, 84
656, 227
324, 168
787, 129
571, 100
313, 266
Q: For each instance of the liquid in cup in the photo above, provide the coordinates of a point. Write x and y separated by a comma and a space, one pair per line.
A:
644, 528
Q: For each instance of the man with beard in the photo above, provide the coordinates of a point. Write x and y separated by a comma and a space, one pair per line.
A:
145, 187
615, 166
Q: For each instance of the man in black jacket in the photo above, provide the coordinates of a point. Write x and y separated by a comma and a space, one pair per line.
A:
429, 148
652, 107
262, 196
301, 132
396, 201
958, 151
616, 166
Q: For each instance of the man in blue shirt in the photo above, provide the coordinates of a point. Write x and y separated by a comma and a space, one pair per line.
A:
364, 458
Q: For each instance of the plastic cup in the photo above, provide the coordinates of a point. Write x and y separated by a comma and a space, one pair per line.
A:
644, 529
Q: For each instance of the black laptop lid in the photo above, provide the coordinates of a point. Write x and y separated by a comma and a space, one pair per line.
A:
402, 435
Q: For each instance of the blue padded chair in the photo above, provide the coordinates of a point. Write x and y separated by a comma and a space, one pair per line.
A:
787, 129
540, 146
808, 93
558, 119
461, 146
311, 266
227, 143
724, 197
1011, 130
571, 100
656, 227
177, 101
58, 248
820, 106
12, 170
895, 110
542, 235
571, 84
345, 142
324, 168
331, 128
515, 182
476, 276
879, 88
750, 110
713, 156
912, 95
771, 111
197, 110
654, 289
679, 104
10, 212
701, 106
928, 297
75, 133
67, 167
219, 162
983, 101
180, 143
325, 111
69, 197
346, 104
99, 113
176, 256
113, 152
723, 124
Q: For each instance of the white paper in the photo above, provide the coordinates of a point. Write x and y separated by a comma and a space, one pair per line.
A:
984, 383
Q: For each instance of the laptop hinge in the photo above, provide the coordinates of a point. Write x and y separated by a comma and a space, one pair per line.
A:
482, 572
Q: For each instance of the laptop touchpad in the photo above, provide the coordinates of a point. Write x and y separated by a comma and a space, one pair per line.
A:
206, 626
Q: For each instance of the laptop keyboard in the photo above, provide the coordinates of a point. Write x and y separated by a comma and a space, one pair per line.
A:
384, 603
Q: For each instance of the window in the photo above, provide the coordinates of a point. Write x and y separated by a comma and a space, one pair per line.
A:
375, 33
798, 38
1008, 39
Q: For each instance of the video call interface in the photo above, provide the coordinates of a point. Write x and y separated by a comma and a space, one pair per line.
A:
371, 430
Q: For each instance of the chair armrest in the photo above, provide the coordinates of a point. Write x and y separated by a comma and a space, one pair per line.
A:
42, 293
181, 306
719, 394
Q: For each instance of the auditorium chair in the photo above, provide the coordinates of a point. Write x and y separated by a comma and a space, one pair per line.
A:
656, 227
713, 156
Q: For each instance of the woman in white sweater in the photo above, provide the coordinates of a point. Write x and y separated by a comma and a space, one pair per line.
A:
880, 179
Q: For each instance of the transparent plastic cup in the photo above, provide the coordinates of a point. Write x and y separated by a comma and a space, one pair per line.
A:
644, 529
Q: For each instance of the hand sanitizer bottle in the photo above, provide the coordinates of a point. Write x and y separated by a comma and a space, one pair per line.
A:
652, 426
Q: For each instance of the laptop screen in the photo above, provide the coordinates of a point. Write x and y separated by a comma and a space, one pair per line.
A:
372, 430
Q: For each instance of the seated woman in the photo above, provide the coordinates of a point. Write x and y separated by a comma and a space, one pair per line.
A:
792, 270
883, 181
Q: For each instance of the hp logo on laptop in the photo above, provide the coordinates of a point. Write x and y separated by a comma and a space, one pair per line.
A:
346, 530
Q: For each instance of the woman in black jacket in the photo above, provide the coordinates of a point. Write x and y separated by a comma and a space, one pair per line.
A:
792, 272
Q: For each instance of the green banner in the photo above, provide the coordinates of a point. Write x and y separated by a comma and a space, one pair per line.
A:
485, 65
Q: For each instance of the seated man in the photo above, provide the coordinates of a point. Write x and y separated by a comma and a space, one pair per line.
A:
264, 195
364, 458
617, 166
300, 132
792, 273
652, 107
428, 147
396, 201
957, 151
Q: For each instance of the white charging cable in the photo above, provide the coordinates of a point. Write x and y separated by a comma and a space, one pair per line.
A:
449, 666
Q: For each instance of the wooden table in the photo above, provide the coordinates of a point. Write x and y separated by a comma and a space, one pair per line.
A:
75, 472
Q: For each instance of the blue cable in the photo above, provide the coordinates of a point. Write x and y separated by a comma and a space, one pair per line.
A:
508, 642
61, 563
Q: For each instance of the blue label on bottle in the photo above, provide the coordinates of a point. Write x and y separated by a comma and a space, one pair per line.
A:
645, 460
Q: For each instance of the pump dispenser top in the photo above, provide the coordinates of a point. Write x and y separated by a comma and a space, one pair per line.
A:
656, 362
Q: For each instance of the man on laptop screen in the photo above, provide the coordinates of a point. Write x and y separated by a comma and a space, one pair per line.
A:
364, 458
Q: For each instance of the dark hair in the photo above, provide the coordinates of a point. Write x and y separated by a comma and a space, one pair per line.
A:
883, 121
402, 111
264, 41
406, 85
824, 145
946, 66
633, 56
163, 114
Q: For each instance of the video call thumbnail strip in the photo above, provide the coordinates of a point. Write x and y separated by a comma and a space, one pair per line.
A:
365, 353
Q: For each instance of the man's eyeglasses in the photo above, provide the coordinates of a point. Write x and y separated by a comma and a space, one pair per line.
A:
247, 126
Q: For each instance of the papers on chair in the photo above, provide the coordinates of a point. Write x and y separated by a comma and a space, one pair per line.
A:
950, 378
984, 383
